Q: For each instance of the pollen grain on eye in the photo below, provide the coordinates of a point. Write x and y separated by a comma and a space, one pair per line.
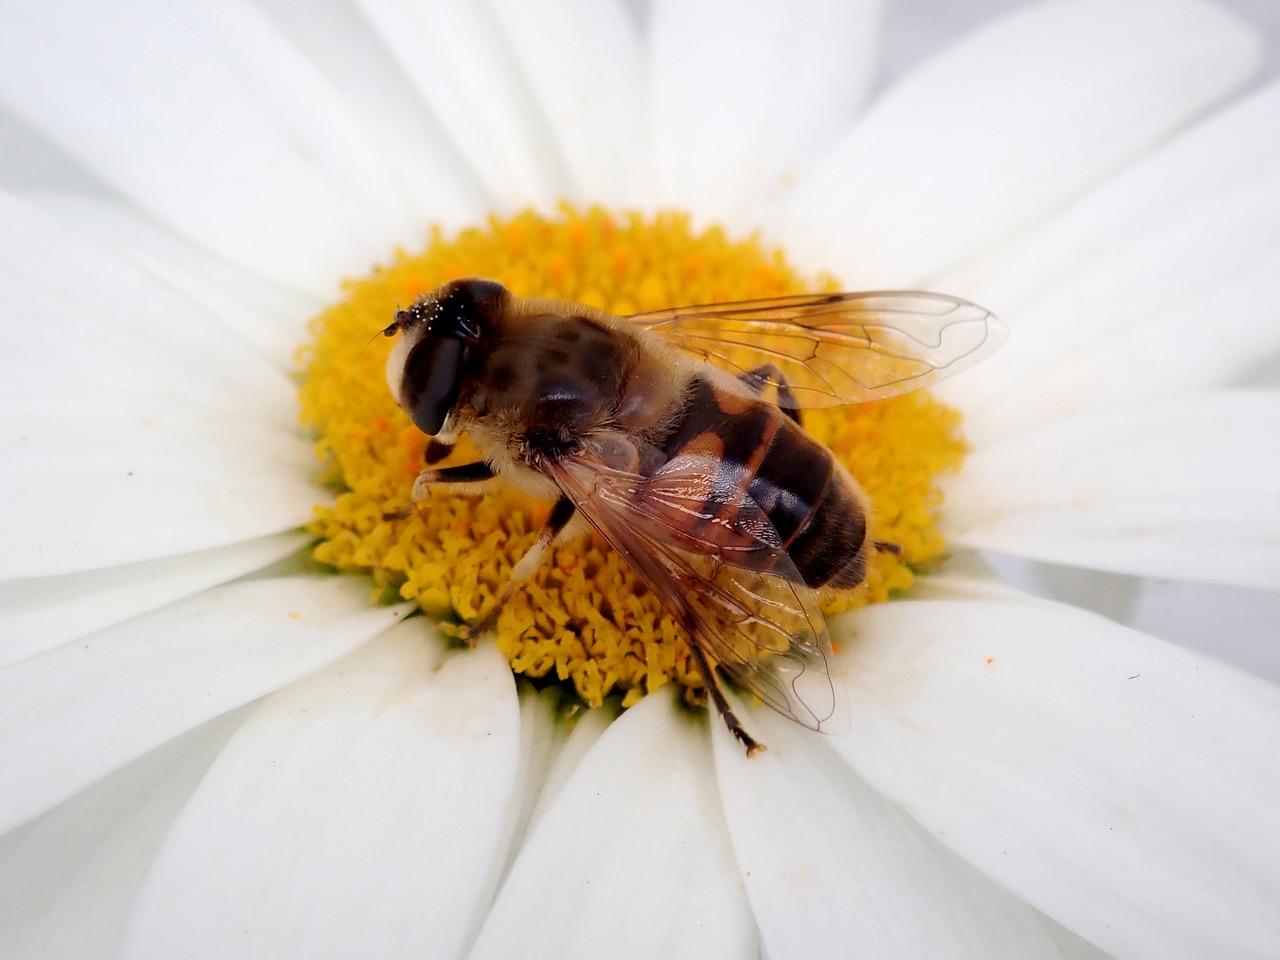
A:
585, 618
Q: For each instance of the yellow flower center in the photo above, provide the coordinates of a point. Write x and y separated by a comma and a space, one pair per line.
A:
585, 618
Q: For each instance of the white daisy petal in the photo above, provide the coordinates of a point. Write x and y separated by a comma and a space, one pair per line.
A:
744, 95
67, 885
259, 160
38, 614
380, 761
268, 317
441, 188
78, 312
1007, 124
1183, 487
114, 373
79, 711
94, 477
1121, 785
587, 729
830, 863
583, 59
1168, 276
541, 743
632, 854
458, 59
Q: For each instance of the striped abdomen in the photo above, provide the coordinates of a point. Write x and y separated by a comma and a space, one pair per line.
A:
815, 509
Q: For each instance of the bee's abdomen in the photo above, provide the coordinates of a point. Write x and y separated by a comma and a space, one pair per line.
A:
815, 511
818, 517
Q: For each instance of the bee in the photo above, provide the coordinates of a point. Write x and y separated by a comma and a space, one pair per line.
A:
676, 435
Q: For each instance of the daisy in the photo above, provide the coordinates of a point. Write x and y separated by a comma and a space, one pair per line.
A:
209, 746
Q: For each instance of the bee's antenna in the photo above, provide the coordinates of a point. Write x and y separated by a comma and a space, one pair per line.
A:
388, 331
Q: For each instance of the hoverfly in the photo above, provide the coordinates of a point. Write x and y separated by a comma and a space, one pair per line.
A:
676, 435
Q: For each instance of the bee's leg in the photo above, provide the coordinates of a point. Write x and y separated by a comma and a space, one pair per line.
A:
561, 514
436, 451
756, 379
885, 546
752, 745
465, 473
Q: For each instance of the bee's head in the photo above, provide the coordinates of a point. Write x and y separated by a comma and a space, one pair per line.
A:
441, 338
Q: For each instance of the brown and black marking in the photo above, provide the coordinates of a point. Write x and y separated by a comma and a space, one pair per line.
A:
756, 380
816, 512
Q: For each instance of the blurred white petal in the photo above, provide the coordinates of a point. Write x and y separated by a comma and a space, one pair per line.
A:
439, 185
75, 713
38, 614
455, 55
268, 317
1182, 487
542, 740
71, 876
259, 160
1167, 277
633, 855
584, 64
588, 727
176, 479
1122, 786
830, 863
79, 312
1009, 123
359, 812
745, 96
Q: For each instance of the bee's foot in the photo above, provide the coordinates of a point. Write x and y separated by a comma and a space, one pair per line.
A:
471, 636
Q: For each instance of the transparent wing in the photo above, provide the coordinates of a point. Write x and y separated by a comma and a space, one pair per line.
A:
836, 348
715, 562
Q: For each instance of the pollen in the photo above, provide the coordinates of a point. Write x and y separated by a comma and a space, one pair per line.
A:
585, 619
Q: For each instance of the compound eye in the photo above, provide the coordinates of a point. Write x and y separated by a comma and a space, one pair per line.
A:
485, 294
432, 380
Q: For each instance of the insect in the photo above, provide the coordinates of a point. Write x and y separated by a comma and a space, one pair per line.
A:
676, 435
